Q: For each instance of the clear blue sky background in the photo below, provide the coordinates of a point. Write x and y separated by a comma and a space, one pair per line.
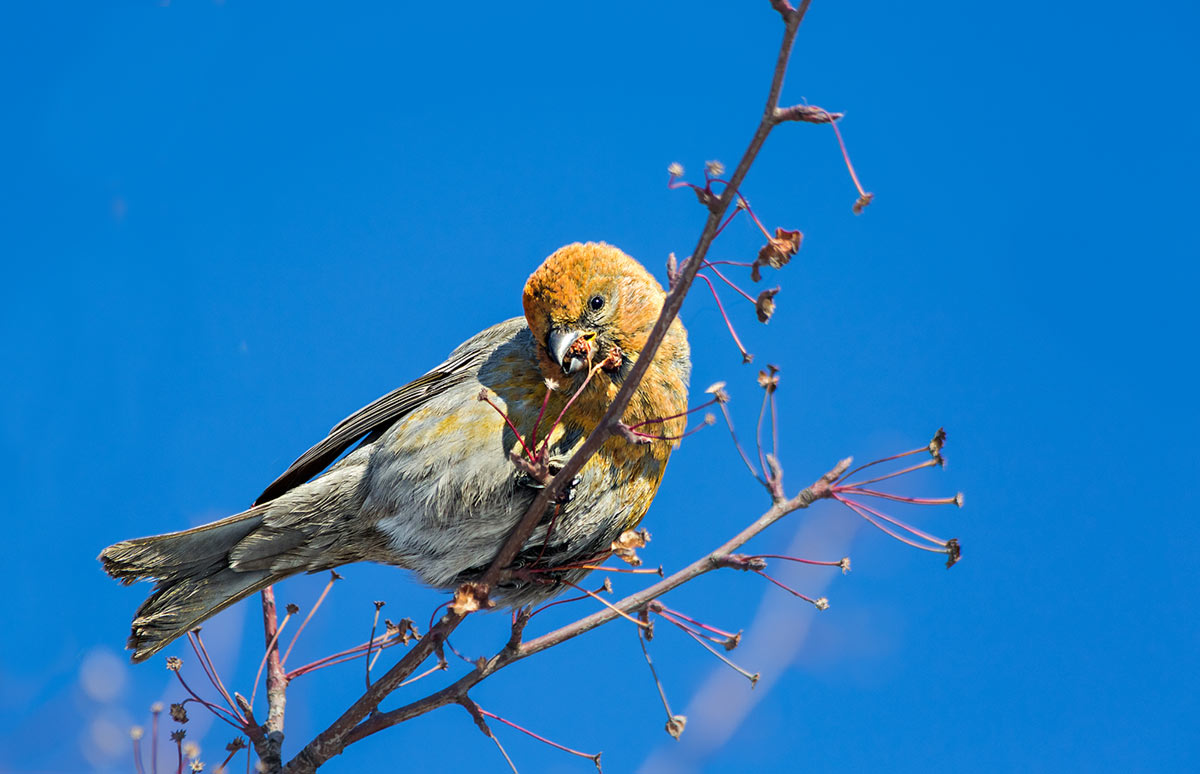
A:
226, 226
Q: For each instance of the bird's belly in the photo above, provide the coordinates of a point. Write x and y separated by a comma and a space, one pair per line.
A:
446, 498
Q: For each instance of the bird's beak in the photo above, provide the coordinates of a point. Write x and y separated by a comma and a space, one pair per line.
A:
569, 349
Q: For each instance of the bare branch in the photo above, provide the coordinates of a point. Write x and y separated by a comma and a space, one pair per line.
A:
331, 741
717, 559
269, 742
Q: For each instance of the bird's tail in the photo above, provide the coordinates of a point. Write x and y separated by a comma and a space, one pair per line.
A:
194, 578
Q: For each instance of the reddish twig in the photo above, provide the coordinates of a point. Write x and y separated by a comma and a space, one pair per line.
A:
210, 671
746, 356
820, 603
675, 722
333, 576
593, 758
266, 654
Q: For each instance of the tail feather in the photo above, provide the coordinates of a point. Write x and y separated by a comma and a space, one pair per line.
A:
194, 578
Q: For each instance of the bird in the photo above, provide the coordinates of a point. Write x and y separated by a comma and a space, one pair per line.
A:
438, 478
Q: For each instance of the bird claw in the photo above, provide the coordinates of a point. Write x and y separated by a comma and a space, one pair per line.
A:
563, 497
568, 493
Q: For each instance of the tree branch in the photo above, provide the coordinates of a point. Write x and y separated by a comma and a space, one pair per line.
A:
723, 556
268, 738
347, 727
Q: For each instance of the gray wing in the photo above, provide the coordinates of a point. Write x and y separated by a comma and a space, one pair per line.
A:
374, 419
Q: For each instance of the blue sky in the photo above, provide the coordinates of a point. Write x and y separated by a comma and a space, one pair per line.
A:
226, 227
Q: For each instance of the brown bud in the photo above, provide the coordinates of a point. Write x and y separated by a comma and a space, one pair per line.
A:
953, 552
764, 305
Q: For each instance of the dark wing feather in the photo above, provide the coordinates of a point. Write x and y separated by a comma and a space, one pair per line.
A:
374, 419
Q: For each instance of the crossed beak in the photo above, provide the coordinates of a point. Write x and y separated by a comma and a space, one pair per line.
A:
570, 349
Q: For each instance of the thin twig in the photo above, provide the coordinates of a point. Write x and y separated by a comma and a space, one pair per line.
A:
332, 577
210, 671
662, 694
370, 641
753, 678
746, 356
266, 654
594, 758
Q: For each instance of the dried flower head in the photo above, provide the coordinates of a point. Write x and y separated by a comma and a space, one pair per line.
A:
292, 609
625, 547
136, 733
675, 169
191, 750
769, 380
179, 713
676, 725
717, 390
174, 663
777, 252
470, 597
714, 168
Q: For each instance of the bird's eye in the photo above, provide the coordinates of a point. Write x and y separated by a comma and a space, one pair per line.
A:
597, 303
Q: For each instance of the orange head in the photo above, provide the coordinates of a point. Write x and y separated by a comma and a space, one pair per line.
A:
589, 304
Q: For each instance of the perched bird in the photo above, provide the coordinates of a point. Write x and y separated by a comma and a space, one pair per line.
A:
433, 486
